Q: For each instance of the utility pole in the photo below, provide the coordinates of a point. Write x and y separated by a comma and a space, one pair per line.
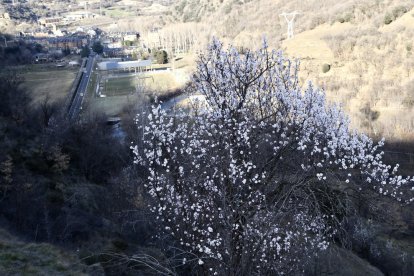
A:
86, 9
289, 17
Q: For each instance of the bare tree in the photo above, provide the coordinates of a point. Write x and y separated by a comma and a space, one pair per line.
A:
14, 100
47, 109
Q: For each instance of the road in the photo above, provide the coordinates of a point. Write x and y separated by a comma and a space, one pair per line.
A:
80, 93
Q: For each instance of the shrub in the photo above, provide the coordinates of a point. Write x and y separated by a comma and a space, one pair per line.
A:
396, 12
85, 52
346, 18
388, 19
98, 47
227, 9
161, 56
128, 43
369, 114
180, 8
326, 68
408, 102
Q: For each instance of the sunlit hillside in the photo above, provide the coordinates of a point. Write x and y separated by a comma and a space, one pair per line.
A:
361, 52
129, 147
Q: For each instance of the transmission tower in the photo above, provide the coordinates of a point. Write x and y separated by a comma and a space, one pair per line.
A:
86, 9
289, 17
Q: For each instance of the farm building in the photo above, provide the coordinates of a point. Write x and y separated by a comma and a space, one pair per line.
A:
50, 21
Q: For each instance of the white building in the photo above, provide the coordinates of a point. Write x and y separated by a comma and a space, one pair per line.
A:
78, 15
134, 65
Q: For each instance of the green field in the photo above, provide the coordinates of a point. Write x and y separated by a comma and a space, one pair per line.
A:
122, 86
121, 91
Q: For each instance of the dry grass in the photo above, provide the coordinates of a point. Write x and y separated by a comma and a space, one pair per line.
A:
370, 66
56, 83
18, 258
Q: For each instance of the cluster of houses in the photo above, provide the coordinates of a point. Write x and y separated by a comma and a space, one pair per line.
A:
116, 45
69, 42
66, 18
58, 42
121, 44
52, 48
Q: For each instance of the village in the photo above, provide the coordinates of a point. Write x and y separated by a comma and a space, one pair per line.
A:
126, 64
67, 29
206, 137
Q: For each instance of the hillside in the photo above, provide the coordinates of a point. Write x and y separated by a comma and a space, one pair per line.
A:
364, 43
370, 71
17, 258
259, 186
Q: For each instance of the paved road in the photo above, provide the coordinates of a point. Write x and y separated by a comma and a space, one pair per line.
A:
80, 93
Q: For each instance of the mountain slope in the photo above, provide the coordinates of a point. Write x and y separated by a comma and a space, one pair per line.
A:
366, 44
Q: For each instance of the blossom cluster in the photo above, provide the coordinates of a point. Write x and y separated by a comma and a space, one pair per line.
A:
237, 182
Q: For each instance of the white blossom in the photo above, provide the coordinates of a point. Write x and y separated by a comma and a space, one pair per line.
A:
235, 180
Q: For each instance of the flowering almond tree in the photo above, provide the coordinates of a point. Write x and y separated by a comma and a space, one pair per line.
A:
253, 181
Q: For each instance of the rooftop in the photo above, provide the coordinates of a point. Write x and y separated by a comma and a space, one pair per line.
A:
114, 65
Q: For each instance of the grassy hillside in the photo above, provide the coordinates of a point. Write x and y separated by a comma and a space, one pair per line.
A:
19, 258
365, 44
365, 47
370, 71
48, 82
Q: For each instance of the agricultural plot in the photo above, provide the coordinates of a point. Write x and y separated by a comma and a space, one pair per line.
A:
128, 85
54, 83
119, 90
119, 86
